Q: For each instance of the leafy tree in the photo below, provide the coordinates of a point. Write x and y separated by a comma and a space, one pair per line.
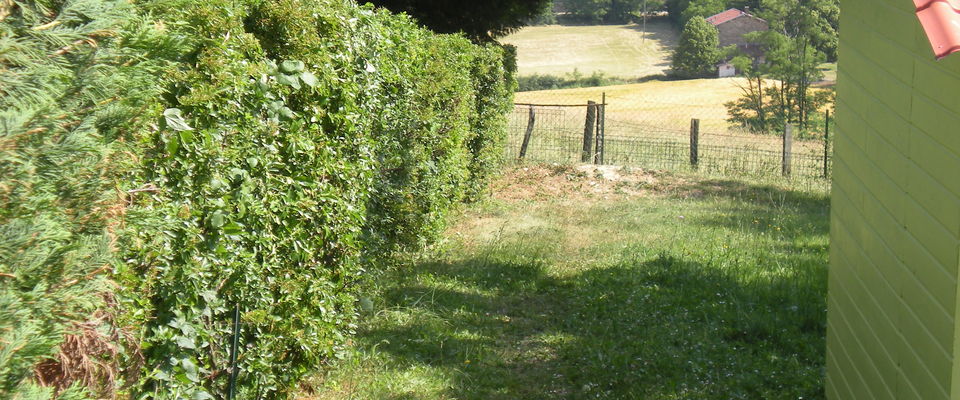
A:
591, 11
621, 11
697, 53
546, 17
702, 8
480, 20
751, 109
675, 9
610, 11
778, 91
816, 20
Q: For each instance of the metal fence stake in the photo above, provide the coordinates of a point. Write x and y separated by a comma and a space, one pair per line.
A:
694, 142
231, 393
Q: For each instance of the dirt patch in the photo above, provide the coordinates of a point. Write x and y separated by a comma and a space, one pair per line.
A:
552, 182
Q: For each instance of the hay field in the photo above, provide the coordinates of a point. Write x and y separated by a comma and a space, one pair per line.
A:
664, 109
616, 50
670, 104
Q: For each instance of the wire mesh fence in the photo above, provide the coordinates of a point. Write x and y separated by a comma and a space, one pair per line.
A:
651, 136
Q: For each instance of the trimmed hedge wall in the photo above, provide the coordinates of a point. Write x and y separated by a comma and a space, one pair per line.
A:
296, 143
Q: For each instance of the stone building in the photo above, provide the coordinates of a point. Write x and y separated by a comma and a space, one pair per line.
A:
731, 26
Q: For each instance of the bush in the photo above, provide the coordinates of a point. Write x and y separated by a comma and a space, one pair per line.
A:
697, 54
546, 17
297, 143
323, 134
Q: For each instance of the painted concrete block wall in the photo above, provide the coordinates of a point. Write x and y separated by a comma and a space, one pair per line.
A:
895, 224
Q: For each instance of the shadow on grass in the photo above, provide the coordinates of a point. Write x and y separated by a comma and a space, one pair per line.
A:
761, 208
503, 322
661, 328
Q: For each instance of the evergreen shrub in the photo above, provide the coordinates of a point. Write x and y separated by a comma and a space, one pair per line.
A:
76, 80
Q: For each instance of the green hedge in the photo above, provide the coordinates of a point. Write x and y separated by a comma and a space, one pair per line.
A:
74, 86
295, 143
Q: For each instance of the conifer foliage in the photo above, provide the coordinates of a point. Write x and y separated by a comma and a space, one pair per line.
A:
73, 79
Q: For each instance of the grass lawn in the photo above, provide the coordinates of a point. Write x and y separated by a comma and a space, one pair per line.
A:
829, 71
616, 50
575, 283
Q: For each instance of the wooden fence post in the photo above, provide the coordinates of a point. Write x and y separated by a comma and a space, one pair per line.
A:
787, 149
694, 142
601, 130
591, 121
528, 133
826, 146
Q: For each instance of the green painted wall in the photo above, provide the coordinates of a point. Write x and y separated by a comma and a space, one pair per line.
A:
895, 220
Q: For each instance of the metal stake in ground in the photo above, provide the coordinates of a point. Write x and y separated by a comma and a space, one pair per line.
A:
591, 122
231, 391
694, 142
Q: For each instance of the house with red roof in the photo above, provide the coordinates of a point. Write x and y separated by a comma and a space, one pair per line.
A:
731, 26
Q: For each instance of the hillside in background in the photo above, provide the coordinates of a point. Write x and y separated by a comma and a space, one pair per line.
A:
615, 50
669, 104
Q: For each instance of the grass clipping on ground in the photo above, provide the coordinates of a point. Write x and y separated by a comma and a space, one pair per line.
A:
604, 282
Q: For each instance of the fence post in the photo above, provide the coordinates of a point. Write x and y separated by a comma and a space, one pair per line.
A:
826, 146
601, 129
587, 155
694, 142
787, 149
528, 133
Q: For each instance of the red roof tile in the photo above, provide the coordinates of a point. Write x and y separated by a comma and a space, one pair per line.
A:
941, 21
725, 16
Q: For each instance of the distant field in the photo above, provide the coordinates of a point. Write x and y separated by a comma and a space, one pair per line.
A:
616, 50
665, 103
829, 71
663, 109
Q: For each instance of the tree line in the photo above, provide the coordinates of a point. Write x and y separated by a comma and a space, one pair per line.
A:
802, 36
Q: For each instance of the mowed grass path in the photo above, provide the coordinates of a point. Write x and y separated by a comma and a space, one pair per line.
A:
569, 285
616, 50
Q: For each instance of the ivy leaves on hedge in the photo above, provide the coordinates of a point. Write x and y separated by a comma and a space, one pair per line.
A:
292, 73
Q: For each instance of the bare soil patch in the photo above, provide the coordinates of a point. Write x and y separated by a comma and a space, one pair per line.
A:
565, 182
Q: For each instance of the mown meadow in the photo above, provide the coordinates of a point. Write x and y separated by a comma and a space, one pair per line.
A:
573, 283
